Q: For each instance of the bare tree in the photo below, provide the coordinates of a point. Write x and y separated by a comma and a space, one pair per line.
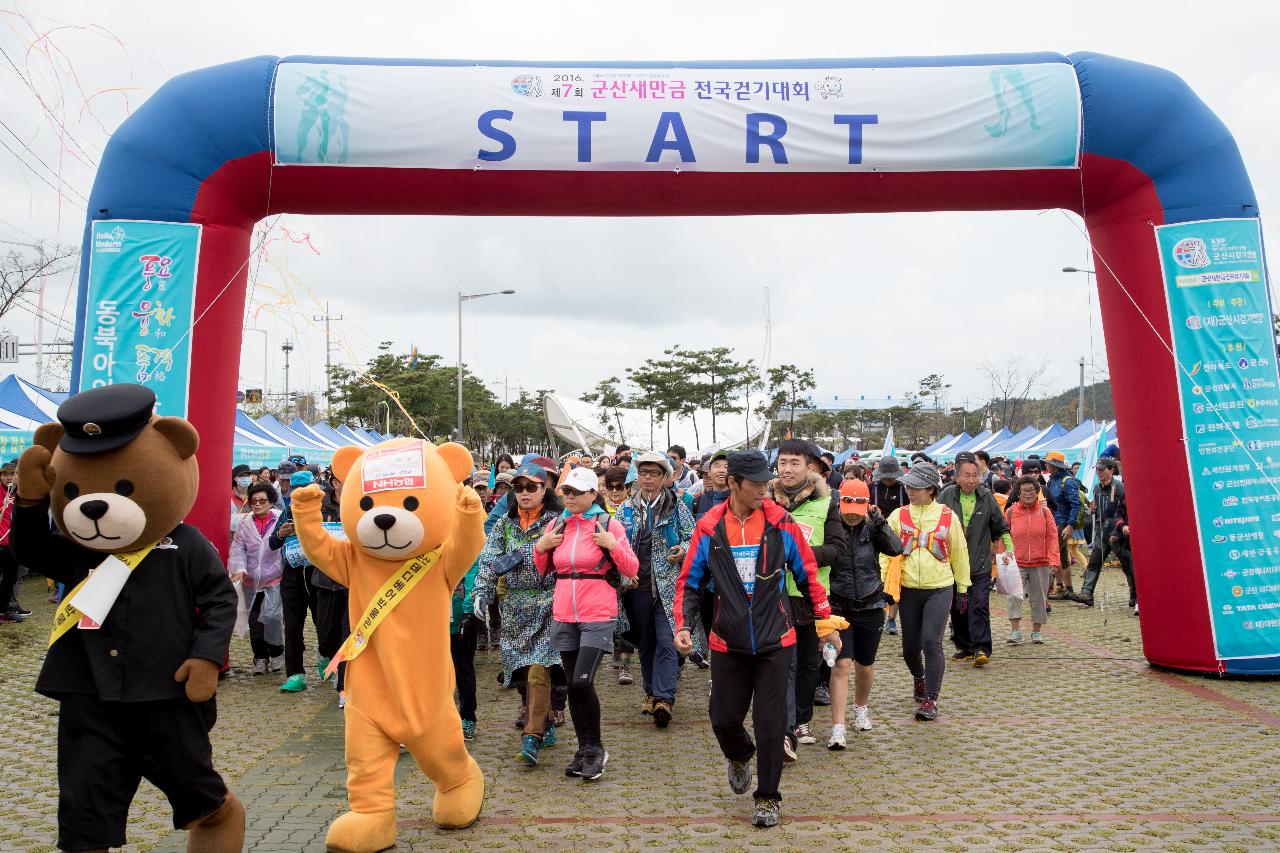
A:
1011, 382
21, 270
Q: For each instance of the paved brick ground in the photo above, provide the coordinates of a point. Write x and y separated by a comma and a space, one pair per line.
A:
1075, 744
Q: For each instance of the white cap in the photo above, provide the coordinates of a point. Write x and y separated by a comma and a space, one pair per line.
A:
583, 479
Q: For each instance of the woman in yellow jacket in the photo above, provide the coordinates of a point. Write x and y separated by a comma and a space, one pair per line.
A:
935, 565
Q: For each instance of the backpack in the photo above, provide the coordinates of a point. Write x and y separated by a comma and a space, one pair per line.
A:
1082, 514
611, 575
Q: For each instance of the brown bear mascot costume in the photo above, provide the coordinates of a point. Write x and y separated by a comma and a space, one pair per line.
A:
146, 621
413, 530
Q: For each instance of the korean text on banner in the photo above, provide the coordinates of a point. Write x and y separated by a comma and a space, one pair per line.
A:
1228, 382
139, 308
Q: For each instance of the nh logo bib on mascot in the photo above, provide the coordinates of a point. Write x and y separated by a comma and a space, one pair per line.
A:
413, 530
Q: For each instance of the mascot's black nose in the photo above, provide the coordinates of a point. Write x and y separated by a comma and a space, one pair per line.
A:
384, 520
94, 509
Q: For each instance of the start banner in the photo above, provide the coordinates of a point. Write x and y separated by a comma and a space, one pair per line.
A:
734, 118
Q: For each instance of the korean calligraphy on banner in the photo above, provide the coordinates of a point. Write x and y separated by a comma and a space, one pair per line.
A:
139, 303
1220, 315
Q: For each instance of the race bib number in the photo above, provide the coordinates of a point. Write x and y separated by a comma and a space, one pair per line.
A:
745, 557
293, 547
395, 468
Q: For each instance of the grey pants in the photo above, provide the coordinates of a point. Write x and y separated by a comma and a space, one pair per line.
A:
1035, 586
923, 614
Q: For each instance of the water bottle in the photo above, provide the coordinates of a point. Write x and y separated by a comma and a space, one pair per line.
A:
829, 654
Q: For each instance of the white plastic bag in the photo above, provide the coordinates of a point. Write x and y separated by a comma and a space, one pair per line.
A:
242, 611
1008, 575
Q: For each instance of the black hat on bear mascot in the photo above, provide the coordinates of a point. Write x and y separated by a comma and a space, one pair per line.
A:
105, 418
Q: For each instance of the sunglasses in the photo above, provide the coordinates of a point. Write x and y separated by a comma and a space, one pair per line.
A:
848, 500
570, 492
521, 488
259, 501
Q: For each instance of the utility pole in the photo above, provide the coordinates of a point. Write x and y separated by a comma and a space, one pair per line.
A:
286, 348
328, 387
1080, 401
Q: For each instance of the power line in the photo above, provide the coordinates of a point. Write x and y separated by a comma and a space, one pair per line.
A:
18, 157
51, 170
46, 108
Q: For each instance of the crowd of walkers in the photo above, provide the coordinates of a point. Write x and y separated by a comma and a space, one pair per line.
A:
780, 575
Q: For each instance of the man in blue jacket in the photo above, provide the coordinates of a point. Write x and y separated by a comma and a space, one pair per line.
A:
1064, 500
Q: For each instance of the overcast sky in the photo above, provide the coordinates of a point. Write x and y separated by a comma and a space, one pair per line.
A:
871, 302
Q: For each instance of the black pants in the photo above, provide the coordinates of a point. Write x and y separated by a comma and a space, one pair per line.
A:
1097, 557
295, 593
462, 648
738, 680
257, 632
971, 630
923, 613
8, 576
105, 749
333, 625
707, 612
580, 667
807, 660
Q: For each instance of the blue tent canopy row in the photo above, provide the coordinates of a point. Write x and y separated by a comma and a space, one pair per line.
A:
1075, 443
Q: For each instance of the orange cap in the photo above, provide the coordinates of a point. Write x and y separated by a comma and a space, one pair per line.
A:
855, 499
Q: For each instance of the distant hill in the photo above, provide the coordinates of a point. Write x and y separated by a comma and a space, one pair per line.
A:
1061, 408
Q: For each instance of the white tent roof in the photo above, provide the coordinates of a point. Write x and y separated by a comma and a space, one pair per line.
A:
577, 423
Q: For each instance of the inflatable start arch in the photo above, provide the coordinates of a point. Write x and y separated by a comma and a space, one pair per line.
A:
1156, 176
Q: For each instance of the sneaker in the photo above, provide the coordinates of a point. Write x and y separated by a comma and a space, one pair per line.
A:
788, 751
294, 684
529, 750
468, 729
575, 766
1135, 609
891, 626
837, 737
548, 737
555, 717
1059, 595
24, 612
647, 707
624, 675
661, 712
700, 661
766, 814
962, 655
862, 718
259, 666
917, 689
804, 735
522, 718
1081, 598
593, 763
1036, 638
740, 776
275, 664
322, 663
822, 696
927, 711
1015, 638
981, 659
342, 699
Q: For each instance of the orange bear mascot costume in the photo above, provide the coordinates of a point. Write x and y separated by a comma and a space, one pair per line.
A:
413, 530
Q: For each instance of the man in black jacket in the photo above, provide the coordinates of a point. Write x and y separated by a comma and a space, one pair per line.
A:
1107, 510
984, 524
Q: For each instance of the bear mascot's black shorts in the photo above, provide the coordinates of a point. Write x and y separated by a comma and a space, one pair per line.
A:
134, 667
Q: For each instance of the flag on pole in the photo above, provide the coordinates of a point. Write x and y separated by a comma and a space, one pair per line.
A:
888, 449
1092, 453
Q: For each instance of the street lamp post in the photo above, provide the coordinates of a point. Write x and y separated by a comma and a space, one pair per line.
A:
286, 348
464, 297
387, 429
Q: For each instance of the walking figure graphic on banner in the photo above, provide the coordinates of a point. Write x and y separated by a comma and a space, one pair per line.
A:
1011, 77
324, 104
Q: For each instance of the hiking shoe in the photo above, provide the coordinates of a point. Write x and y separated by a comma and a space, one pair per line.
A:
700, 661
891, 626
822, 696
740, 776
556, 717
624, 675
1081, 598
1015, 638
468, 729
593, 763
24, 612
962, 655
1059, 595
917, 689
981, 659
10, 618
789, 751
1036, 638
322, 663
522, 718
804, 735
927, 711
837, 737
549, 737
647, 707
661, 712
294, 684
575, 766
862, 718
275, 664
529, 749
767, 813
259, 666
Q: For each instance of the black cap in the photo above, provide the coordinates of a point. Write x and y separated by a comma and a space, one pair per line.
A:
105, 418
749, 465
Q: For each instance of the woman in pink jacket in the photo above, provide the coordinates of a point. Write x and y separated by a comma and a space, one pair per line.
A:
1035, 547
582, 549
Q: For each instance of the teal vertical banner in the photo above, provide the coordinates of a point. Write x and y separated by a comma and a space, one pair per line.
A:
139, 307
1220, 314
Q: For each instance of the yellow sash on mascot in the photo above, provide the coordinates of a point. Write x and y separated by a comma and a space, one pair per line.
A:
67, 616
394, 589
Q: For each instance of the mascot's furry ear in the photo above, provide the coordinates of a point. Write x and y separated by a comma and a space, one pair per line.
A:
458, 458
343, 460
181, 434
48, 436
